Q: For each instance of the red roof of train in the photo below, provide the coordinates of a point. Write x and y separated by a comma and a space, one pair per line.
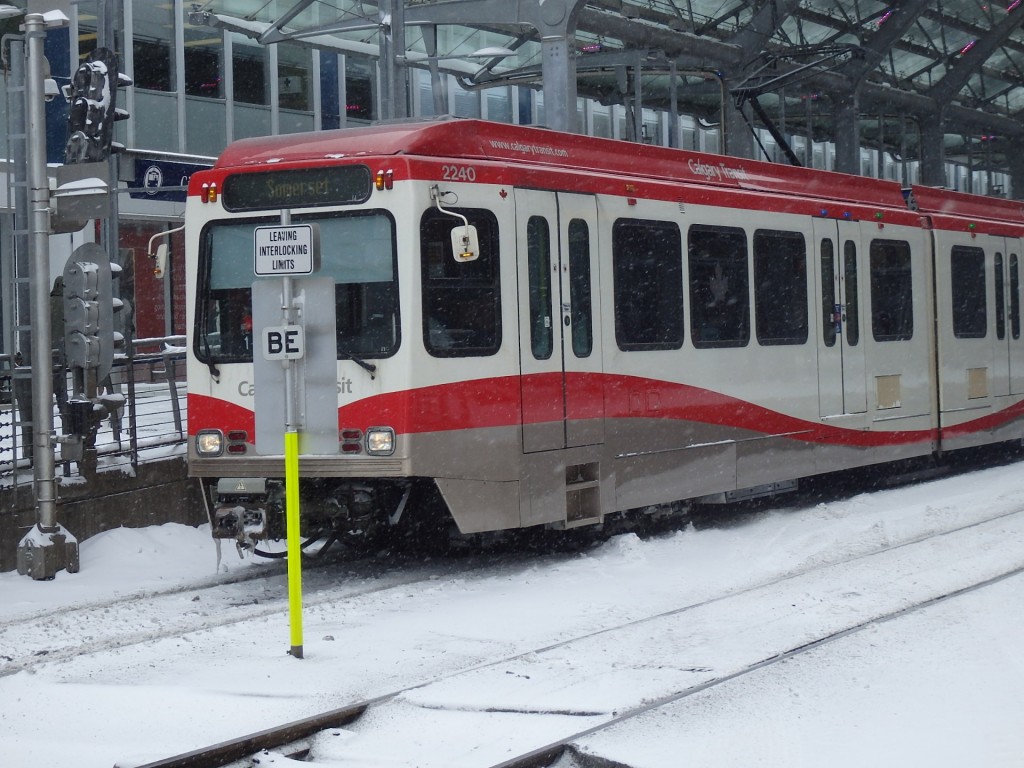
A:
469, 140
485, 140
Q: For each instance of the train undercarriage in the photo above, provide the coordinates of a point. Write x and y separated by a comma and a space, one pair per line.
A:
359, 514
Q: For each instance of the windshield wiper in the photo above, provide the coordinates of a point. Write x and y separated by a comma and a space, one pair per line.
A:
214, 371
368, 367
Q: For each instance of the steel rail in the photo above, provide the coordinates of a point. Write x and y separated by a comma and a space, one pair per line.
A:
280, 736
271, 738
545, 756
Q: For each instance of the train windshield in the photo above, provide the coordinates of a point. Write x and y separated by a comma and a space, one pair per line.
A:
357, 250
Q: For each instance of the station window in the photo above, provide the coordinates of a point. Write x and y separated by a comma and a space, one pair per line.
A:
461, 300
294, 77
153, 65
538, 258
359, 95
719, 287
580, 301
780, 287
152, 38
892, 290
204, 61
249, 69
648, 278
88, 34
970, 309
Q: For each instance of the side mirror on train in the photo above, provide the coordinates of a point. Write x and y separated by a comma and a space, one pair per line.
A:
160, 261
465, 243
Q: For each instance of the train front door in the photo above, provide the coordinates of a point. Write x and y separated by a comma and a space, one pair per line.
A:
559, 320
842, 384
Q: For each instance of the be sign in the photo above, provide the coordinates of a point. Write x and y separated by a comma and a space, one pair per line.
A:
283, 342
286, 250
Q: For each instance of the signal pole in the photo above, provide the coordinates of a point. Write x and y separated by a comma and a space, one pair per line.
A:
48, 547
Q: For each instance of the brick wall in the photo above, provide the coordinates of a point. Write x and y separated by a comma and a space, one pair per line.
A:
148, 290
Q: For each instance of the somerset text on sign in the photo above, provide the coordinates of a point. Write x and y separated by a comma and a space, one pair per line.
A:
285, 250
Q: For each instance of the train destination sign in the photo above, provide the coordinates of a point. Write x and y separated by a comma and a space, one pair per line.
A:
292, 249
303, 188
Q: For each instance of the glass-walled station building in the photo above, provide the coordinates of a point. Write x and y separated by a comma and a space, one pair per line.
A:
197, 87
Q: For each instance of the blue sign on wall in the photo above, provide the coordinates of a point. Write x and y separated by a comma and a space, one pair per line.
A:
162, 179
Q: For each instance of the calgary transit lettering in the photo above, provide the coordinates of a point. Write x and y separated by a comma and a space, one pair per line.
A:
718, 172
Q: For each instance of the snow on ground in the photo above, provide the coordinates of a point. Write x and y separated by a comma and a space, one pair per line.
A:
943, 687
940, 687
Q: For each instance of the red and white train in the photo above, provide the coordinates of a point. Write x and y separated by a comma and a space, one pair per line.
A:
544, 329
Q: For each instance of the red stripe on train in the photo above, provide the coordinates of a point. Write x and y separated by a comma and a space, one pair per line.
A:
497, 402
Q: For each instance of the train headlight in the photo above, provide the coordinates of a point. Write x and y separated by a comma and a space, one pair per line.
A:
209, 442
380, 441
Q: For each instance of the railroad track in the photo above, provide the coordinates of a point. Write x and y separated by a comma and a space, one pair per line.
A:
65, 632
550, 754
686, 650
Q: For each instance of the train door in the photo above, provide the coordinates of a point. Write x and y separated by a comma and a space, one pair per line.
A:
1009, 360
1014, 270
560, 345
842, 385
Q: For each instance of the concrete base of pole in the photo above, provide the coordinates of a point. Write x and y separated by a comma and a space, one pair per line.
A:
42, 553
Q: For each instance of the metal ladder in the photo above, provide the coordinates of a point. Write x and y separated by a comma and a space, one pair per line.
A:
14, 263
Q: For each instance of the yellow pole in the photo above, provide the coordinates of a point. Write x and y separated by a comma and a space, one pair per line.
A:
291, 484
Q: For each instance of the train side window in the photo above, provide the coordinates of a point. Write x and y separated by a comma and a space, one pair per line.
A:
1000, 297
851, 293
970, 308
719, 287
648, 284
580, 302
828, 292
1014, 297
538, 258
892, 290
780, 287
461, 300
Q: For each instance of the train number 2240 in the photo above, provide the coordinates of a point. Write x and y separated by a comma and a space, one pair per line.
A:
458, 173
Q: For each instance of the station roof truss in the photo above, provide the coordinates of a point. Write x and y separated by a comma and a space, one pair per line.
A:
905, 62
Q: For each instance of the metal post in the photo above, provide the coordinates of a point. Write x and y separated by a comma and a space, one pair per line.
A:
673, 94
39, 250
47, 548
559, 72
291, 472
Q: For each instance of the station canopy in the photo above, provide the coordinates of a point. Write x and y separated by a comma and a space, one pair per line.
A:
904, 65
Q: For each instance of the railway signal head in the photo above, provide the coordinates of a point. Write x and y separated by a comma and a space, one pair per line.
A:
82, 314
93, 108
89, 308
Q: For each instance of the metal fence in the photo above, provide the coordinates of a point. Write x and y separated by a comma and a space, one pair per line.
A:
153, 420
